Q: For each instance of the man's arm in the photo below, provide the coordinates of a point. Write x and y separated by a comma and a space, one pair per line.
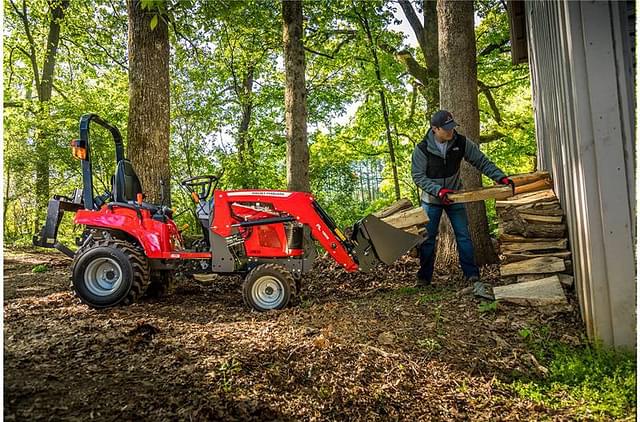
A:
480, 161
419, 173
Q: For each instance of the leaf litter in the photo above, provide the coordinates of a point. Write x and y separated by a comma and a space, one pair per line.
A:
351, 347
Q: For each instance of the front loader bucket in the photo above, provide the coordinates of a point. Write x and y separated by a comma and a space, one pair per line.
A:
376, 241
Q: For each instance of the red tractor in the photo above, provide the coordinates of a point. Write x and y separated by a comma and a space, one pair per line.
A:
129, 247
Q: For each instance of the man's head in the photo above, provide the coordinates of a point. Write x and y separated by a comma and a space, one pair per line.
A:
442, 124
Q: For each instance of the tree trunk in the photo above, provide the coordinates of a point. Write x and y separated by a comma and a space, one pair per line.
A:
295, 98
459, 95
148, 126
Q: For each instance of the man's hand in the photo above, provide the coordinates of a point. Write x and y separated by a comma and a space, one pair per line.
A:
507, 181
442, 194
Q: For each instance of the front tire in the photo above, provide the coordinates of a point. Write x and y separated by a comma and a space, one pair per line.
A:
267, 287
111, 272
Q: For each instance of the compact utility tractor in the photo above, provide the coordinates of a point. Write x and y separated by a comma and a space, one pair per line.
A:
129, 247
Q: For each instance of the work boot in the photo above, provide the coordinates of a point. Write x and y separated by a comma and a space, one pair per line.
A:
482, 290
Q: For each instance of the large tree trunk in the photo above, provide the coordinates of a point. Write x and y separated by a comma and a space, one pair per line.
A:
148, 126
295, 98
459, 95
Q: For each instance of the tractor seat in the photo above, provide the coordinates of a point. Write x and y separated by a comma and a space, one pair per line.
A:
127, 186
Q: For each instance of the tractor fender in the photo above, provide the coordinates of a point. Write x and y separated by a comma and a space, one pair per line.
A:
158, 239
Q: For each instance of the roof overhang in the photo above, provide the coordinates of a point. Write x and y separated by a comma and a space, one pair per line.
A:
518, 31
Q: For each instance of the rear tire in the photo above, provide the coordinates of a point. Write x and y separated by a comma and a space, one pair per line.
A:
267, 287
110, 272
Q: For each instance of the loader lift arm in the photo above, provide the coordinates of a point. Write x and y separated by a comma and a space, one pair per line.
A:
372, 241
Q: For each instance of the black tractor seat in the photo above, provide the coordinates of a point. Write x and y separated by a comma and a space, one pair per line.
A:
127, 186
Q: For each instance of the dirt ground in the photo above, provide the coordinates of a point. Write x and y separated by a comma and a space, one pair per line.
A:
353, 347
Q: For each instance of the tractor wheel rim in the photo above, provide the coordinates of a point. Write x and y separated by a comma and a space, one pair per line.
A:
103, 276
268, 292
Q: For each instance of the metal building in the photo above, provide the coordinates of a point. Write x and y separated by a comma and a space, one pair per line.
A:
581, 57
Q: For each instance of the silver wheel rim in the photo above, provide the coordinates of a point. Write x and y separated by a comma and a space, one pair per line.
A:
103, 276
268, 292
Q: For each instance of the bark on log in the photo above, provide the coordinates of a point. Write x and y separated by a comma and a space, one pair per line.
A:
534, 246
536, 218
543, 230
546, 291
529, 230
533, 187
565, 279
407, 218
510, 257
533, 266
397, 206
481, 194
526, 178
511, 238
529, 198
542, 208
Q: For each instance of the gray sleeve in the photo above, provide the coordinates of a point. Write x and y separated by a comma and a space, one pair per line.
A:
419, 173
480, 161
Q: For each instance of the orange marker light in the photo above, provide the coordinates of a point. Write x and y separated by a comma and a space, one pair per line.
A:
77, 151
195, 197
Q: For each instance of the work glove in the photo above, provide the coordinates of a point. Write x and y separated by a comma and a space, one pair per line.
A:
442, 194
507, 181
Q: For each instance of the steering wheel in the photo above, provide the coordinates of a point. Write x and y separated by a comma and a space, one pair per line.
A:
201, 185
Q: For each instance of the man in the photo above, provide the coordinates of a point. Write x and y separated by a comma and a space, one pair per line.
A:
435, 168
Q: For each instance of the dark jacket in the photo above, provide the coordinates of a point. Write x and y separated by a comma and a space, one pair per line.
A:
445, 175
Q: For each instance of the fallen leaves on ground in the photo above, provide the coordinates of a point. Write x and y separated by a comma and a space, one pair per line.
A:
353, 346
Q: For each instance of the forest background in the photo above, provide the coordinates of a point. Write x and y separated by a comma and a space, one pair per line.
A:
227, 82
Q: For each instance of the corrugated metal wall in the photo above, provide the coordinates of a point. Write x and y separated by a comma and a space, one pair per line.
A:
581, 62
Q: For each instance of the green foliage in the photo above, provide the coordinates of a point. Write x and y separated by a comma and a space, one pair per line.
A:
429, 344
485, 307
429, 298
227, 108
40, 268
595, 381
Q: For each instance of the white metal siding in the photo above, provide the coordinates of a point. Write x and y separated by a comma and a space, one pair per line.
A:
579, 54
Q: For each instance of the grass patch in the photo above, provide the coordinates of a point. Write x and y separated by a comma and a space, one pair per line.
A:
485, 307
406, 291
594, 381
40, 268
429, 298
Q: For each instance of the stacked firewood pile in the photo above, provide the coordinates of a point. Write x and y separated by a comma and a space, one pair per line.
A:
533, 236
534, 244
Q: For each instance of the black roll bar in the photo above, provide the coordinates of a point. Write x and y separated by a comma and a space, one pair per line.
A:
87, 174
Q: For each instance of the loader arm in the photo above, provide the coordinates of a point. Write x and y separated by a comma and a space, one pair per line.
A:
373, 241
299, 205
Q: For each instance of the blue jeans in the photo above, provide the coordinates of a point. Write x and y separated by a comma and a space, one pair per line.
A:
458, 216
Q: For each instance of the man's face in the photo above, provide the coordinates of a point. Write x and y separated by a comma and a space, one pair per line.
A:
443, 135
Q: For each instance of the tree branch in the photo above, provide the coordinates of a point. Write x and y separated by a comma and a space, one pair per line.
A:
493, 46
490, 137
492, 102
414, 21
318, 53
